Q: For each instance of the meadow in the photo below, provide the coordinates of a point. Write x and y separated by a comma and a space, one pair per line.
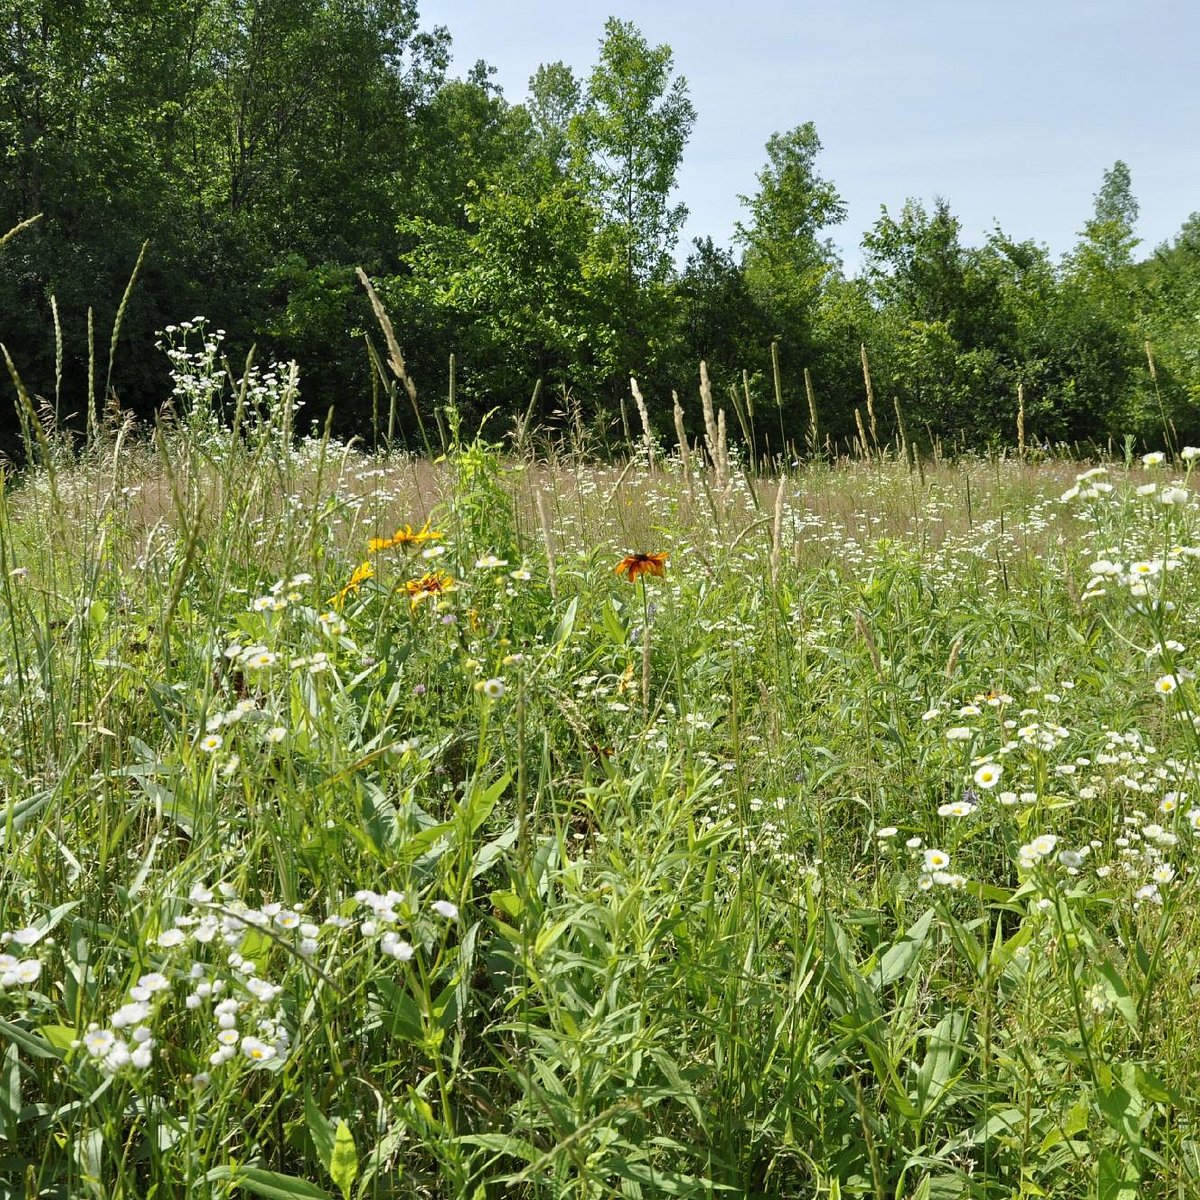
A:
519, 825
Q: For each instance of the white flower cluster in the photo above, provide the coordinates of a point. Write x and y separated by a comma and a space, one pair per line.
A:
389, 910
19, 972
936, 871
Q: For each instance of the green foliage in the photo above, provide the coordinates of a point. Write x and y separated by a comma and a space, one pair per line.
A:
786, 261
627, 143
380, 888
261, 152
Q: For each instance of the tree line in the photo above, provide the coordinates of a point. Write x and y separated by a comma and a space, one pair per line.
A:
262, 150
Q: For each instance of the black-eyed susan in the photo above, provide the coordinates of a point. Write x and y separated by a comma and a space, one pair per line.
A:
434, 583
405, 537
362, 573
634, 565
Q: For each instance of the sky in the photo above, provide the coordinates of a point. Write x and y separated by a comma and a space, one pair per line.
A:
1010, 109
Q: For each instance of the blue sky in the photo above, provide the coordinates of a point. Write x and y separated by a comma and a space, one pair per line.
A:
1010, 109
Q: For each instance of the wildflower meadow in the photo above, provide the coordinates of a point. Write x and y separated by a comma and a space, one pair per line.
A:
515, 824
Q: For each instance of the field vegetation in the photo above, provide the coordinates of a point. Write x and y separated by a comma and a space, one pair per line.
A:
243, 159
568, 777
376, 826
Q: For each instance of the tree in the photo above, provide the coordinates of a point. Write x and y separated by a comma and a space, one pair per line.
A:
256, 144
786, 261
554, 99
1108, 237
627, 143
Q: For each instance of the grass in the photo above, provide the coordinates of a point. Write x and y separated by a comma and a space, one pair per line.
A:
851, 857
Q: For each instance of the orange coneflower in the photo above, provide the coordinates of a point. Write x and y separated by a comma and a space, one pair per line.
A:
633, 565
406, 535
432, 584
362, 573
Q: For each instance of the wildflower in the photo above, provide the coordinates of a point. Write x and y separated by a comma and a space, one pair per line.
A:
405, 536
133, 1013
361, 574
433, 583
888, 831
332, 624
1166, 684
210, 743
1173, 495
1147, 489
262, 991
633, 565
936, 860
257, 1050
493, 689
1188, 453
29, 936
988, 775
98, 1042
171, 937
489, 562
18, 972
1044, 844
258, 658
393, 945
444, 908
957, 808
958, 733
275, 734
1154, 459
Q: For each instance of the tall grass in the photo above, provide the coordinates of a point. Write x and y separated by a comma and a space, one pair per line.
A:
851, 857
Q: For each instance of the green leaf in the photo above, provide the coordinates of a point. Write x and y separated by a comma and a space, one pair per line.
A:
1122, 1109
508, 902
1118, 994
1076, 1121
10, 1094
269, 1184
480, 802
1155, 1090
320, 1129
29, 1042
343, 1166
1116, 1179
503, 1143
433, 840
400, 1011
60, 1036
900, 957
487, 854
567, 624
936, 1075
